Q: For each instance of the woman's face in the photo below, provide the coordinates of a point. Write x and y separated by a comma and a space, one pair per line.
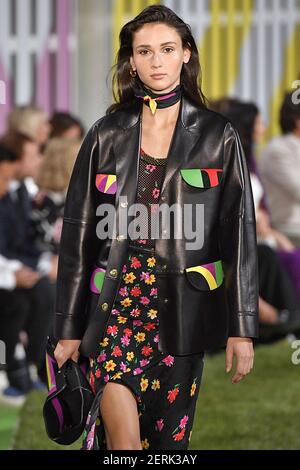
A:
157, 49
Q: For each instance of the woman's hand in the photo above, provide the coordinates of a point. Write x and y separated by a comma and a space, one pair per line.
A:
243, 349
66, 349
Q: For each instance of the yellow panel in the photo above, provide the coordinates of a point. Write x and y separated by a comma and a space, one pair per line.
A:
291, 72
221, 46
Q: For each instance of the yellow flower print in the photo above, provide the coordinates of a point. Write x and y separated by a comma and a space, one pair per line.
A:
110, 365
117, 375
152, 313
193, 389
130, 356
150, 279
140, 337
145, 444
155, 384
121, 319
144, 384
151, 262
126, 302
105, 342
129, 278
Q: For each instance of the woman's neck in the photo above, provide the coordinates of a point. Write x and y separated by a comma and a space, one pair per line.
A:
162, 117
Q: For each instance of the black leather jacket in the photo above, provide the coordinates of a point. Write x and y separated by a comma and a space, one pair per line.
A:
205, 295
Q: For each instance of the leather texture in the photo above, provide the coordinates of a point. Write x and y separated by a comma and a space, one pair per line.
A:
205, 295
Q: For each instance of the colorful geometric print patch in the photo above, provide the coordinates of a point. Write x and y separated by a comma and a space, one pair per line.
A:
97, 280
206, 276
106, 183
202, 177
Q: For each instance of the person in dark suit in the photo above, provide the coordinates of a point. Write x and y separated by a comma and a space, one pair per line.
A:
36, 293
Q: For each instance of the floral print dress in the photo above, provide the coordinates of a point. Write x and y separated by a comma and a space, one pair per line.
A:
166, 387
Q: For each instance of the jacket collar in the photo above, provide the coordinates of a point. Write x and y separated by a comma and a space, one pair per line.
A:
188, 114
127, 142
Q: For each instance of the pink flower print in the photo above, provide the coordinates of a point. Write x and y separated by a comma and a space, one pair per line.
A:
101, 357
124, 269
90, 437
135, 312
137, 322
123, 367
153, 291
183, 421
144, 276
169, 360
115, 311
155, 193
123, 292
88, 419
106, 378
144, 362
159, 424
151, 168
156, 338
142, 242
144, 300
125, 340
137, 371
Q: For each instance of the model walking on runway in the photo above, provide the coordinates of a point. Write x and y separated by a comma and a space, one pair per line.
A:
143, 308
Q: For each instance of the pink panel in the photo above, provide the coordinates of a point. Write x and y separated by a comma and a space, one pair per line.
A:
63, 63
4, 108
43, 77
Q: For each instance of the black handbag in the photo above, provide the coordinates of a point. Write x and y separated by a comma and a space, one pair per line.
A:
69, 398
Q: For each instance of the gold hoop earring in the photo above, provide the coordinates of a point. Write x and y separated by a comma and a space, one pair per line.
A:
133, 73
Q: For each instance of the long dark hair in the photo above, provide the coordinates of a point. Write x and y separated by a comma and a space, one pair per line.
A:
242, 115
191, 76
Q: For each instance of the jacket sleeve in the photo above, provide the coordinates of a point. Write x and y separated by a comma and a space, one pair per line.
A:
238, 243
79, 242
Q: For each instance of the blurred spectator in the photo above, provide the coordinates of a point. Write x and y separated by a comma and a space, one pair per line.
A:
66, 125
279, 165
279, 306
33, 289
53, 180
30, 121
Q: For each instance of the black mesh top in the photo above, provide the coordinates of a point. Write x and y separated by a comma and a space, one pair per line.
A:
151, 174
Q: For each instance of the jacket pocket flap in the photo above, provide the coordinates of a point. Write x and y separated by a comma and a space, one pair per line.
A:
96, 280
206, 277
202, 178
106, 183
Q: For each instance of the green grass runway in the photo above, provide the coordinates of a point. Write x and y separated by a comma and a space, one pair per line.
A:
260, 412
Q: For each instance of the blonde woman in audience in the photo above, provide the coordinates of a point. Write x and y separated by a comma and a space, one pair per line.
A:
52, 181
31, 121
